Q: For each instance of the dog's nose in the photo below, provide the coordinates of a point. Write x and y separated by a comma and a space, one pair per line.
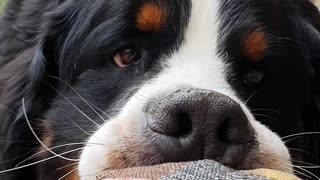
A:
200, 123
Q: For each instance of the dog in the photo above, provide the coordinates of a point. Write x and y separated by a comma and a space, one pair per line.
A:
87, 86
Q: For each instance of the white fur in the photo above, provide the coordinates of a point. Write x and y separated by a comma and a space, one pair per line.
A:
197, 65
316, 3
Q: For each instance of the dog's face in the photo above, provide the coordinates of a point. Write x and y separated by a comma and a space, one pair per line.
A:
183, 73
153, 81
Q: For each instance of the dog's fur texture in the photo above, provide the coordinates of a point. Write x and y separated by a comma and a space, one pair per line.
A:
56, 56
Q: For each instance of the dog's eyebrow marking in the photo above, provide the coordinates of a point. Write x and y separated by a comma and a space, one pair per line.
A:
255, 45
151, 17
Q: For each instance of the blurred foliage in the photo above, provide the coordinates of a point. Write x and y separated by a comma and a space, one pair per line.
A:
2, 3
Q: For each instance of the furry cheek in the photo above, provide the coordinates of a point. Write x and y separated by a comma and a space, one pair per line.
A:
117, 145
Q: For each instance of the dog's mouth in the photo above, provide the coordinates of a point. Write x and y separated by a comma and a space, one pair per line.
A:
185, 125
133, 150
143, 154
130, 152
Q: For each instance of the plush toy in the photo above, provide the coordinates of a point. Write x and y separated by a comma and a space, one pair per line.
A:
200, 170
272, 174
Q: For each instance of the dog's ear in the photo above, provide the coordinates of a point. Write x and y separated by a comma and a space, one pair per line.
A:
310, 36
26, 78
46, 60
21, 80
313, 14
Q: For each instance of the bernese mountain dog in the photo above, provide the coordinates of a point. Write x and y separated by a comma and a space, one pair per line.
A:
90, 85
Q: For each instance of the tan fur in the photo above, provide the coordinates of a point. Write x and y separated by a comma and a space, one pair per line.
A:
47, 138
255, 45
151, 17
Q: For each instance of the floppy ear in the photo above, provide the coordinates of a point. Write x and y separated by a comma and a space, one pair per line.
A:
16, 84
25, 77
312, 14
312, 35
45, 60
312, 38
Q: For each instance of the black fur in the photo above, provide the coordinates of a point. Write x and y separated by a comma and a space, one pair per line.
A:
291, 68
45, 45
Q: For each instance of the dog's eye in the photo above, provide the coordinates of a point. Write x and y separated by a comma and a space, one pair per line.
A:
126, 56
254, 77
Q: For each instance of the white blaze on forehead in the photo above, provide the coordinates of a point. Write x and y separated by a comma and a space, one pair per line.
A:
202, 30
196, 64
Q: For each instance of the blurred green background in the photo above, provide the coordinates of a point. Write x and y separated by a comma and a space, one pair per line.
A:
2, 3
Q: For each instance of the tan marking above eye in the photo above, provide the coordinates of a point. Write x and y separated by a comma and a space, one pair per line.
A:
255, 45
150, 17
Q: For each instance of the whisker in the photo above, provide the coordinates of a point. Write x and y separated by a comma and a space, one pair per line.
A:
306, 163
271, 110
301, 134
38, 162
63, 167
250, 97
306, 171
310, 167
290, 140
86, 132
303, 151
6, 108
36, 136
3, 162
78, 109
69, 173
56, 147
263, 115
296, 171
77, 93
104, 113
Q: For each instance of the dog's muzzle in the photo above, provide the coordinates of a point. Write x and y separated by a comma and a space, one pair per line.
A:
193, 124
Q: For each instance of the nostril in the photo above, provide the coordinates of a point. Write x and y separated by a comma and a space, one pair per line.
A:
174, 124
235, 130
183, 124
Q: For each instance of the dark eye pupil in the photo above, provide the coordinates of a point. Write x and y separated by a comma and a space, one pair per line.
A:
129, 56
254, 77
125, 57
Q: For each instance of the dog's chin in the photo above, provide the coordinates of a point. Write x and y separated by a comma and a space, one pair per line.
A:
124, 143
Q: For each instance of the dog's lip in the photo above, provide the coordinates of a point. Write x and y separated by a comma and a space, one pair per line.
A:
201, 152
